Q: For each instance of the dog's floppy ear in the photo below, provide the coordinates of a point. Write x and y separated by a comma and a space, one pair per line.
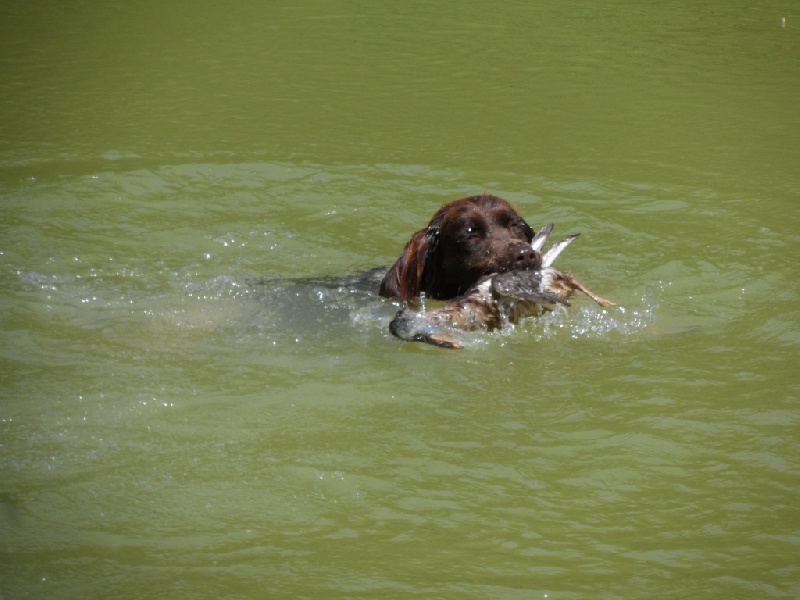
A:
415, 267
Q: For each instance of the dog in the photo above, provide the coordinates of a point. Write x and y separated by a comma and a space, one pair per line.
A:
497, 299
465, 240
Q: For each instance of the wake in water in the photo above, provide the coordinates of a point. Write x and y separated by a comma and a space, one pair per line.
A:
596, 322
327, 311
344, 306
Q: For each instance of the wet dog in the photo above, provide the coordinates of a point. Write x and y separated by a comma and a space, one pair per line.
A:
497, 299
465, 240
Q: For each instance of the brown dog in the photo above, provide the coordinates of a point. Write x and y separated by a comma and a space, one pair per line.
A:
466, 239
497, 299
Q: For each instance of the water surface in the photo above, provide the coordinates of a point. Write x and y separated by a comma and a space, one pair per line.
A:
196, 401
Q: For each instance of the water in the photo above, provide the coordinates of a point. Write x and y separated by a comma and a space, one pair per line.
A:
197, 398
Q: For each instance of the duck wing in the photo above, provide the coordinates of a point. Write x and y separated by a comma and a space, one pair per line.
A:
539, 240
550, 256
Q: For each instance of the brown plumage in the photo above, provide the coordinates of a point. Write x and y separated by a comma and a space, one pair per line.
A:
497, 299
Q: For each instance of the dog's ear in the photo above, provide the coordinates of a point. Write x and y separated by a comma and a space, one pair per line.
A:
415, 267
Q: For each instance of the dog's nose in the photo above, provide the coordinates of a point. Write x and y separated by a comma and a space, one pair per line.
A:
526, 257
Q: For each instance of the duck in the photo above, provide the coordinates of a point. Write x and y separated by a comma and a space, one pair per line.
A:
497, 300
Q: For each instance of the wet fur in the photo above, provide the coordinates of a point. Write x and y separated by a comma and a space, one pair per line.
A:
496, 300
465, 240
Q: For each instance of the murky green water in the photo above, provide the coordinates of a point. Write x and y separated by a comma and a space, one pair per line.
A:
184, 414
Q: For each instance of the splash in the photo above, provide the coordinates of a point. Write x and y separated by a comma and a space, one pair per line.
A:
596, 322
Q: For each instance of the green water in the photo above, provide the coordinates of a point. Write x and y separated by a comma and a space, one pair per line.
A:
183, 414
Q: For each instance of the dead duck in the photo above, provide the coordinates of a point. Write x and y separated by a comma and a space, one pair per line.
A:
497, 299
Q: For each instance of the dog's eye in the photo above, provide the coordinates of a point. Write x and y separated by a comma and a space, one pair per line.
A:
474, 230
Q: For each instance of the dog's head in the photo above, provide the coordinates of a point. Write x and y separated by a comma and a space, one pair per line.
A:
465, 240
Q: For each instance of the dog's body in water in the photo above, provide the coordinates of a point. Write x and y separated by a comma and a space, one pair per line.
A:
477, 253
497, 299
